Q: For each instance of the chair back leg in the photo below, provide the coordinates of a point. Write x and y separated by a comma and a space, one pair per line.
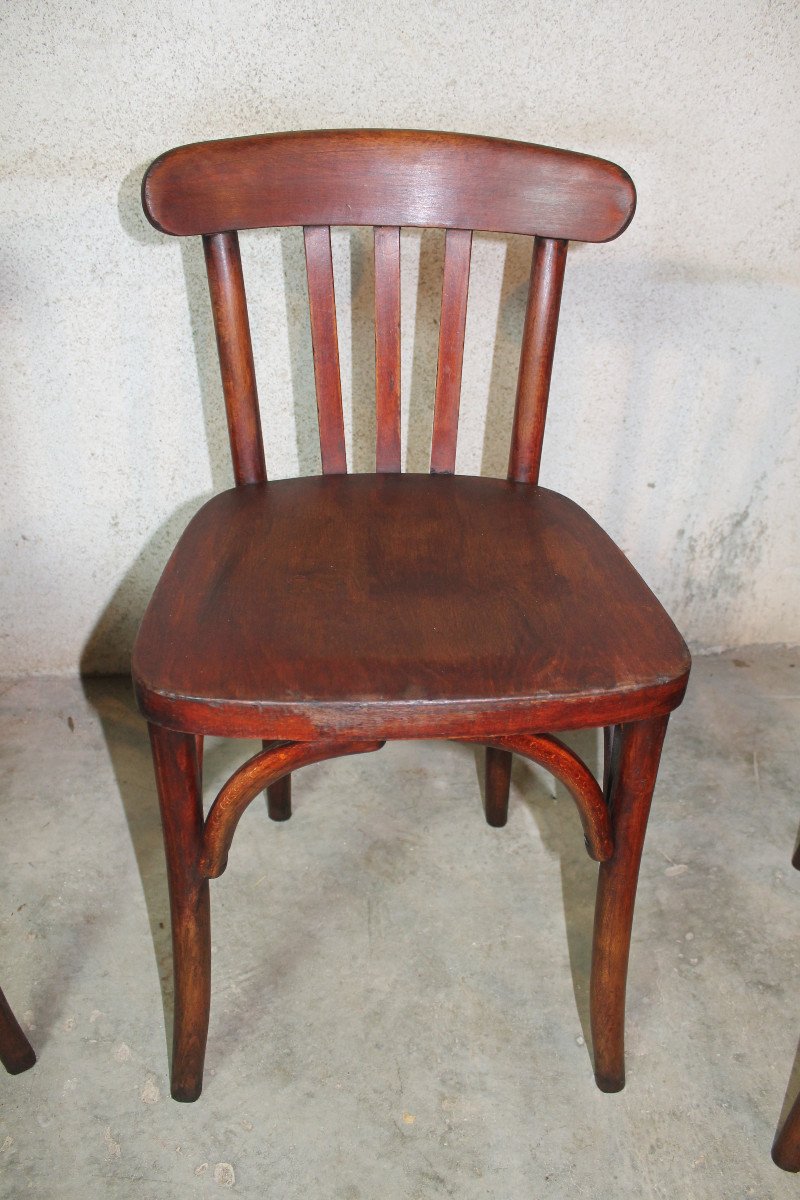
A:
498, 782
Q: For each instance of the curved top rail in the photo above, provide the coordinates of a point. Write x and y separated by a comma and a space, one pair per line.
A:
387, 177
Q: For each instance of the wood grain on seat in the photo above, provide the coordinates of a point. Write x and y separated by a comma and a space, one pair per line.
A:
317, 605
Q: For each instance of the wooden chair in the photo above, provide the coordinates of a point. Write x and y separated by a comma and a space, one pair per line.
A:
327, 615
16, 1052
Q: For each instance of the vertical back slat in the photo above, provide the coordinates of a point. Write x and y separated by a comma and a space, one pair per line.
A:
387, 348
325, 343
536, 358
229, 307
455, 286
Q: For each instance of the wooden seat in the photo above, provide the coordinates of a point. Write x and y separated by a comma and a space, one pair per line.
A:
324, 616
402, 588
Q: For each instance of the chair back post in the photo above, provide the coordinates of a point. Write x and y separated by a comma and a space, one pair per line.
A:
387, 349
325, 347
232, 326
536, 358
452, 327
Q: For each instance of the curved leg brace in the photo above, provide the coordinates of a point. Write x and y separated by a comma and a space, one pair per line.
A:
262, 770
562, 762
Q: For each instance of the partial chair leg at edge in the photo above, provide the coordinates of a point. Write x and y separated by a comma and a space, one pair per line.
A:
176, 759
16, 1052
633, 755
786, 1147
498, 782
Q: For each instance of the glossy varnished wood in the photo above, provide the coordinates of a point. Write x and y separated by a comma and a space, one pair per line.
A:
260, 771
536, 358
631, 780
382, 618
387, 177
177, 770
229, 307
279, 794
387, 349
455, 288
16, 1052
565, 765
497, 784
325, 615
325, 345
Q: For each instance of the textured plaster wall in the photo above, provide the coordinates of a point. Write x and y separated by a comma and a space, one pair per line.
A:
674, 413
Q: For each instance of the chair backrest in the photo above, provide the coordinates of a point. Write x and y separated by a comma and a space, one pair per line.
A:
387, 179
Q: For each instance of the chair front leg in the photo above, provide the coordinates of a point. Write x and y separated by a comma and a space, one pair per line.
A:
633, 769
498, 783
177, 769
16, 1052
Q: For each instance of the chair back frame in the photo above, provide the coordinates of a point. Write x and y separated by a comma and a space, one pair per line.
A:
388, 179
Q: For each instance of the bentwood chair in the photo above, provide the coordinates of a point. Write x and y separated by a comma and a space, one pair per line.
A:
327, 615
16, 1052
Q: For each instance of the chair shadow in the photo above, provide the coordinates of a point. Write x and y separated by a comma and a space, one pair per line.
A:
559, 829
127, 742
128, 747
110, 695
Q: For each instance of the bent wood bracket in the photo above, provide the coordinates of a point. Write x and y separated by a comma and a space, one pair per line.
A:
259, 772
576, 777
273, 763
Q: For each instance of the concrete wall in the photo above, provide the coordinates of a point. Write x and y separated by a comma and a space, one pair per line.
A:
674, 411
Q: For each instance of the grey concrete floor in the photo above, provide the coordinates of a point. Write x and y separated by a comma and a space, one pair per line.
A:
400, 992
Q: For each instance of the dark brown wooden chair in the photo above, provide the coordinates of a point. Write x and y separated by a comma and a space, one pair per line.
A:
326, 615
16, 1052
